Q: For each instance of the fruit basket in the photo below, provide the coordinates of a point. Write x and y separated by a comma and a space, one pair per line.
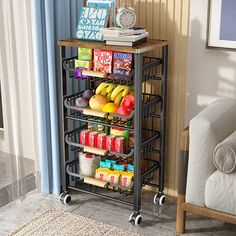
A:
149, 107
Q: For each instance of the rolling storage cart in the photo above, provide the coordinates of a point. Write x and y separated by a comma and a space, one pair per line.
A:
149, 112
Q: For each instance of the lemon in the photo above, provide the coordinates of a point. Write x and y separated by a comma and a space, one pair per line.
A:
110, 107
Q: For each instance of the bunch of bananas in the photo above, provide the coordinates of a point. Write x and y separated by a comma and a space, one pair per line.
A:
114, 92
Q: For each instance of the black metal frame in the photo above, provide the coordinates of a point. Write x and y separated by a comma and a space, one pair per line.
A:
144, 70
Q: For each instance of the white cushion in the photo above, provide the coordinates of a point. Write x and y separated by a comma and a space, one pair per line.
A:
221, 192
207, 129
224, 156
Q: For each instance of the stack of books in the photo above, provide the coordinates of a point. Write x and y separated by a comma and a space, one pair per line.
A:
124, 37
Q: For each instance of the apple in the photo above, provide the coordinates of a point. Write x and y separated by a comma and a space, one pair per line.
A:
128, 102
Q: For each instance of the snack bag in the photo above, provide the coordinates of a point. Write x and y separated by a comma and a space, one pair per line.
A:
122, 63
102, 174
83, 65
113, 178
119, 167
130, 168
126, 179
85, 54
99, 128
104, 164
102, 60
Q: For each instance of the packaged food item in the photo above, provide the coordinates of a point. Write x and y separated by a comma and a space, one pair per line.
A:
104, 164
119, 167
121, 132
101, 140
113, 178
84, 137
122, 63
99, 128
130, 168
82, 65
131, 139
85, 54
110, 142
126, 178
102, 60
111, 161
92, 139
120, 144
102, 174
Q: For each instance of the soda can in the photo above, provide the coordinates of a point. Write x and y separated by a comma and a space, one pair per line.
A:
84, 137
101, 140
120, 144
110, 142
92, 138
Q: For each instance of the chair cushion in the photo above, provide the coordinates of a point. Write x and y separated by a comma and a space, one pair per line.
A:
221, 192
224, 156
210, 127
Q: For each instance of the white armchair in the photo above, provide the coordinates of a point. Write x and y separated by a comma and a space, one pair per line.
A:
202, 188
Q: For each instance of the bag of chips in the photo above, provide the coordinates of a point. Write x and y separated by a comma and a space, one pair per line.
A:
126, 179
113, 178
102, 174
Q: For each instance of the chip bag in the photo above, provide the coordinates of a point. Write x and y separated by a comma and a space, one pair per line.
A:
113, 178
85, 54
126, 179
102, 174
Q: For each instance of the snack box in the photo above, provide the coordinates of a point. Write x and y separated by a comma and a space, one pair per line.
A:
102, 60
122, 63
85, 54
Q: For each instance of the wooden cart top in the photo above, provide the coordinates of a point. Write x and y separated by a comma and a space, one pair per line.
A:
151, 44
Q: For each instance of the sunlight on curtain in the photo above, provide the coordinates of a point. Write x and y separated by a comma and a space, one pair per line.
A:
18, 146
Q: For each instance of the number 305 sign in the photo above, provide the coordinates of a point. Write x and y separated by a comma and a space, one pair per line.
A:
90, 22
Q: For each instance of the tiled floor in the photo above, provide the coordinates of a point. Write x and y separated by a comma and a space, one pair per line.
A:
16, 178
157, 220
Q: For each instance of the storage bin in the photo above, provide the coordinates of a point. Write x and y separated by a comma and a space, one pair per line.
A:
88, 164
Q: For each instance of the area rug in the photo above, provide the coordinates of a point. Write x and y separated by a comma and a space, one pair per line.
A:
57, 222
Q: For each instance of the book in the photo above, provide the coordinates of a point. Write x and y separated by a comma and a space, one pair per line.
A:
125, 43
125, 38
90, 22
111, 4
116, 31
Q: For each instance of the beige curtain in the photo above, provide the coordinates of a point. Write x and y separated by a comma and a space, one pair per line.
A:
18, 142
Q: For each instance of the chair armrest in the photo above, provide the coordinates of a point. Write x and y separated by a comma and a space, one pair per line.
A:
183, 161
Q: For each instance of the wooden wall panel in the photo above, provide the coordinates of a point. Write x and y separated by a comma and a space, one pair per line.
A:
168, 19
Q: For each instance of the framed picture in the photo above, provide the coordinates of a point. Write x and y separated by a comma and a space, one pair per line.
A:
222, 24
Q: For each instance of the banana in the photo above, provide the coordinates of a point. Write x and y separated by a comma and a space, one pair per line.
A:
104, 91
116, 91
110, 88
118, 98
126, 91
101, 87
109, 96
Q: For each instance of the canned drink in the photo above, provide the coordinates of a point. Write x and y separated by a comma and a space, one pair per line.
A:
110, 142
120, 144
84, 137
101, 140
92, 138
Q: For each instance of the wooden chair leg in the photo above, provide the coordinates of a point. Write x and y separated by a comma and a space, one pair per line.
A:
181, 215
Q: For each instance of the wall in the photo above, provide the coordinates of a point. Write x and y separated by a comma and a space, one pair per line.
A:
168, 19
16, 76
211, 72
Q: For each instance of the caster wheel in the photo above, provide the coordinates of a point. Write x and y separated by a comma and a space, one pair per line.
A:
159, 198
65, 198
135, 218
